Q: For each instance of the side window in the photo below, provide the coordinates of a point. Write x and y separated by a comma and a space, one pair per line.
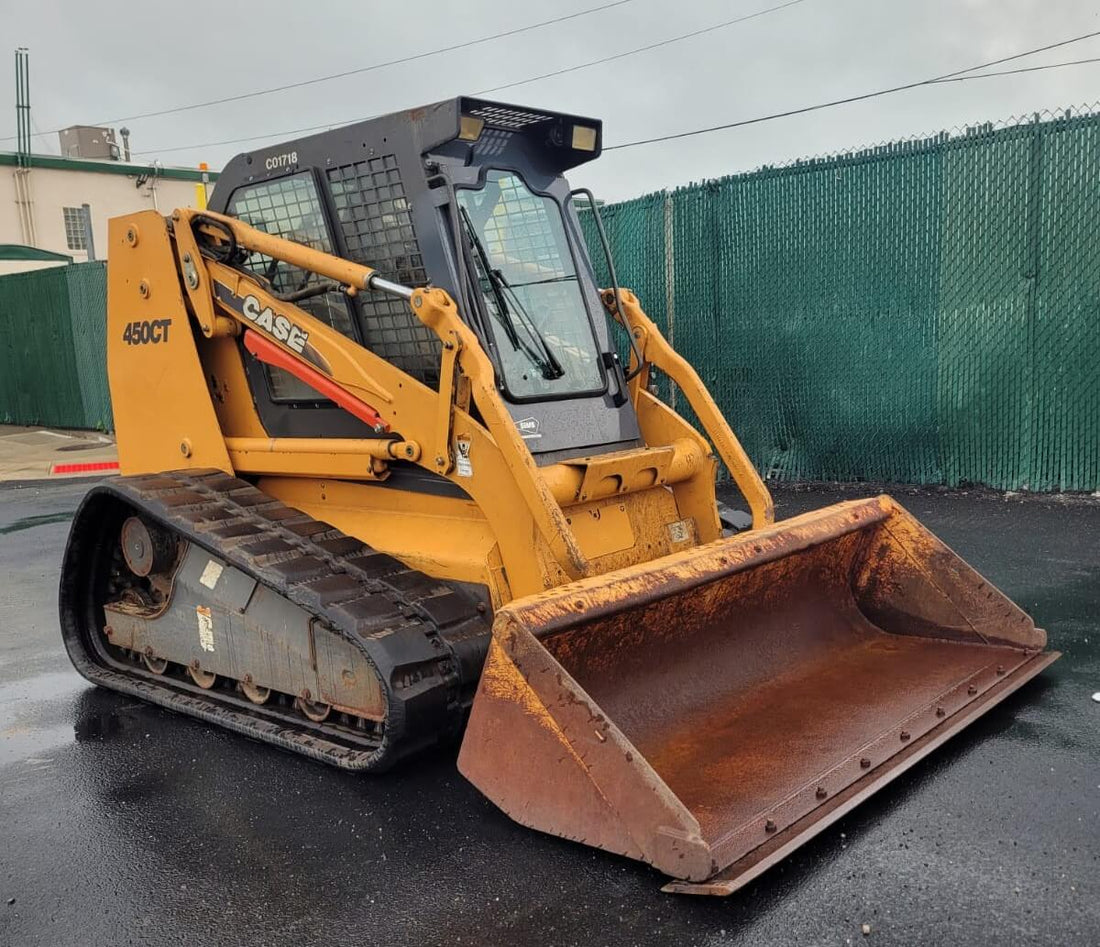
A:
291, 207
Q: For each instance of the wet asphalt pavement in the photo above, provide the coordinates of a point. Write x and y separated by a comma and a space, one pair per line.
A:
124, 824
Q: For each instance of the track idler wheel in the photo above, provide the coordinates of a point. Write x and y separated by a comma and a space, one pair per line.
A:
147, 549
314, 710
153, 663
205, 679
253, 691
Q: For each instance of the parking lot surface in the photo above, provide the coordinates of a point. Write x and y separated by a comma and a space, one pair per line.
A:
124, 824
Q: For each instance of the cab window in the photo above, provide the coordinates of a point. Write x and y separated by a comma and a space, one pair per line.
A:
291, 207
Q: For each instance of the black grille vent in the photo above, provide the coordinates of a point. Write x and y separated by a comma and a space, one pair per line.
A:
377, 224
501, 116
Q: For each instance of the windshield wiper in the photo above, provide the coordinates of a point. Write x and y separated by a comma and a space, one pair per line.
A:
539, 354
529, 324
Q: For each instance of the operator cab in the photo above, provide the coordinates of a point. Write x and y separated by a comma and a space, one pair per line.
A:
469, 196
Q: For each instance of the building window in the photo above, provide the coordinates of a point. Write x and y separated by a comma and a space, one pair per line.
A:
74, 228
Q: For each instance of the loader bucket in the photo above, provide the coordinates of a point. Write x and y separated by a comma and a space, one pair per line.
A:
709, 712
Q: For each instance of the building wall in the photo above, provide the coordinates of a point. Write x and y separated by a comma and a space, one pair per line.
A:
108, 193
26, 266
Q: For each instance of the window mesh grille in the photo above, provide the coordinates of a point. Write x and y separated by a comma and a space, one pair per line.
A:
291, 207
377, 225
521, 229
528, 245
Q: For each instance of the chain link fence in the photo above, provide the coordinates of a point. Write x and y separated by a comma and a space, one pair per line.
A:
926, 311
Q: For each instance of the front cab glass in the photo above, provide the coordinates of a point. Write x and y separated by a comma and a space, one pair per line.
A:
528, 281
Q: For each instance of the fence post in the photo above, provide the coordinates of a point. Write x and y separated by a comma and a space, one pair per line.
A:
670, 284
1031, 274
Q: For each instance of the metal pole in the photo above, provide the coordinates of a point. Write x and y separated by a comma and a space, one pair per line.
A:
24, 66
89, 240
27, 104
18, 112
20, 101
23, 134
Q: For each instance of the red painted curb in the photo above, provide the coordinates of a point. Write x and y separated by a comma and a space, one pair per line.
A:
83, 468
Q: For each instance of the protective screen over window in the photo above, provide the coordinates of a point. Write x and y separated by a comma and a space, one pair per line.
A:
291, 207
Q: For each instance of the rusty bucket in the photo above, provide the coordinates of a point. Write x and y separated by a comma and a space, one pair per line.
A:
709, 712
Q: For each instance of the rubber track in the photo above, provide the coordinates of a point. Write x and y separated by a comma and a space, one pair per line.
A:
425, 638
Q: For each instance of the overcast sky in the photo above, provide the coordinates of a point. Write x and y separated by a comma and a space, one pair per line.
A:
97, 62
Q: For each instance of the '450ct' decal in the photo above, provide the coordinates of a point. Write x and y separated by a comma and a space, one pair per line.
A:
144, 332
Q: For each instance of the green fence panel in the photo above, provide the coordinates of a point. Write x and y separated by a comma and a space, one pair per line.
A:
1066, 348
836, 358
87, 286
983, 312
927, 311
923, 312
38, 370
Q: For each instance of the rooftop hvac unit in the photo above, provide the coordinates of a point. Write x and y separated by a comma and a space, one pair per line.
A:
89, 141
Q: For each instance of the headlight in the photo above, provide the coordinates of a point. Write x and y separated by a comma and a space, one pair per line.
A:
584, 138
469, 128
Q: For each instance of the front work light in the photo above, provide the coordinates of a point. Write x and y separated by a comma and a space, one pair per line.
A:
469, 128
584, 138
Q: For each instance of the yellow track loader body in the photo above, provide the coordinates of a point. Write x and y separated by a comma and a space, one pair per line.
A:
382, 468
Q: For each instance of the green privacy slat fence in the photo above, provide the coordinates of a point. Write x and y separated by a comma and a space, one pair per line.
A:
53, 367
923, 312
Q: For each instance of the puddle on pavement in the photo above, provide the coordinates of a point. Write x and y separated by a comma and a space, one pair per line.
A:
91, 726
29, 522
99, 714
46, 713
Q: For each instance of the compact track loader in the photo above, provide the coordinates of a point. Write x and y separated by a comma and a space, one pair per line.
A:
385, 476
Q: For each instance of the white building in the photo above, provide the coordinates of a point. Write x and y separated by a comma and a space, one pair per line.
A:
41, 207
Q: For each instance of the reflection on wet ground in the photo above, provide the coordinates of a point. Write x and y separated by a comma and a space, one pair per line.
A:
29, 522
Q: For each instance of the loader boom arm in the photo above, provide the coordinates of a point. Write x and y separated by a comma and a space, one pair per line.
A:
653, 349
228, 302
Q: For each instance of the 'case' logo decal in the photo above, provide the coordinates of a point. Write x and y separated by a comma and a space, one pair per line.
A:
279, 327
